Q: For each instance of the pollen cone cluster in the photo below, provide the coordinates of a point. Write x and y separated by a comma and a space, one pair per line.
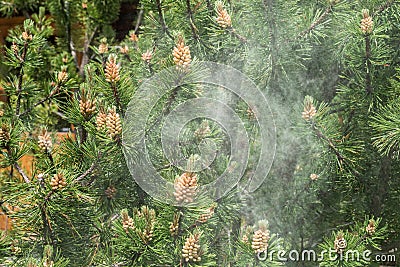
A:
367, 23
58, 181
127, 221
181, 54
149, 216
103, 47
133, 37
110, 192
4, 136
185, 187
87, 106
147, 56
260, 239
112, 69
113, 123
370, 229
340, 243
101, 120
62, 76
44, 141
206, 215
191, 249
174, 226
309, 110
223, 19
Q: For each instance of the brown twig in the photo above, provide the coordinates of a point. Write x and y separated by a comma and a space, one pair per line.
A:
191, 21
87, 172
241, 38
162, 19
40, 102
22, 173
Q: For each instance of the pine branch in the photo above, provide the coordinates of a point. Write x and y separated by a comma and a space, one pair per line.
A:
117, 98
22, 173
85, 56
329, 141
383, 7
241, 38
20, 76
40, 101
87, 172
162, 20
368, 86
139, 20
316, 23
191, 20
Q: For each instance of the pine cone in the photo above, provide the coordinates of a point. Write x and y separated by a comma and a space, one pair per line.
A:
309, 110
58, 181
147, 56
207, 215
174, 226
124, 49
314, 176
112, 69
133, 37
113, 123
101, 120
87, 107
1, 112
4, 136
14, 48
45, 142
127, 221
62, 76
103, 47
370, 229
150, 217
26, 36
250, 114
185, 187
110, 192
260, 240
181, 54
367, 23
191, 249
340, 243
223, 19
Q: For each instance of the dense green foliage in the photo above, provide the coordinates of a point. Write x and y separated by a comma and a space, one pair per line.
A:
329, 69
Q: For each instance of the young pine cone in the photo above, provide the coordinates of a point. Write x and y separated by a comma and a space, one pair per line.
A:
207, 215
181, 54
112, 69
133, 37
309, 110
127, 221
4, 136
103, 47
62, 76
174, 226
58, 181
87, 106
223, 19
101, 120
26, 36
113, 123
191, 249
124, 49
110, 192
340, 243
45, 142
147, 56
260, 240
370, 229
314, 176
367, 23
185, 187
